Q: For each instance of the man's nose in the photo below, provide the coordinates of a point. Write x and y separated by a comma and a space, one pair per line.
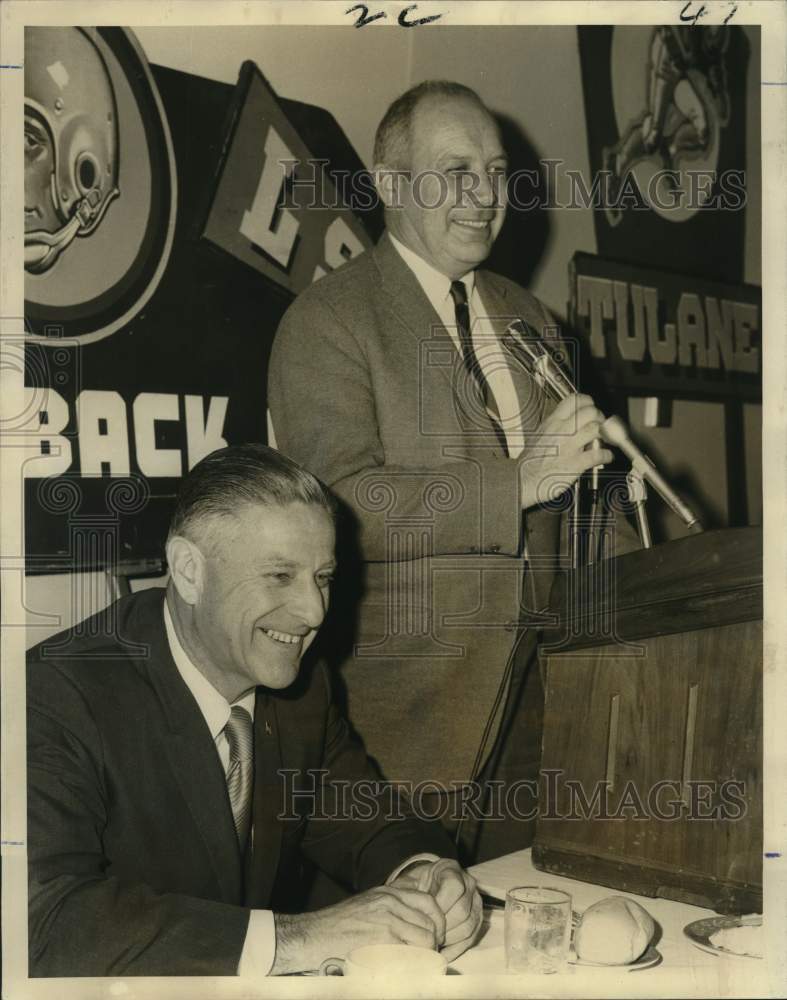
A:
484, 192
309, 604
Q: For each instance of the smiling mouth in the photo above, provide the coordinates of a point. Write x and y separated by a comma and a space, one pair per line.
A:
285, 638
471, 224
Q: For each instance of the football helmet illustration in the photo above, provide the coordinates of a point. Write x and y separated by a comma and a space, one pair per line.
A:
71, 141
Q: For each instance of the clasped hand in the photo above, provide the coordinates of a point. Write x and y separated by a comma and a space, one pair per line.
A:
445, 914
454, 891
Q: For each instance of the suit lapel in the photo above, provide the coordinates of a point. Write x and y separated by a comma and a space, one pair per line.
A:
191, 755
403, 294
261, 872
414, 316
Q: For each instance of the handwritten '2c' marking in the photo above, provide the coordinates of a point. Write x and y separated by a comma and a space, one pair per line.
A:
365, 18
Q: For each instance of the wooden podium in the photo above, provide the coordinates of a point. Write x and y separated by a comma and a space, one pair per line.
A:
652, 755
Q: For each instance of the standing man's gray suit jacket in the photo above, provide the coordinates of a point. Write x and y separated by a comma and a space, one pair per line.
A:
366, 390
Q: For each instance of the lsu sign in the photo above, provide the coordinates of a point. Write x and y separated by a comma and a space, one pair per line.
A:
274, 207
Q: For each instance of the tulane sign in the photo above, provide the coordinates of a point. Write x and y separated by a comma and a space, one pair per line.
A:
659, 333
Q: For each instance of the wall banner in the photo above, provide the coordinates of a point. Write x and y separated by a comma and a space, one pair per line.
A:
666, 123
656, 333
146, 347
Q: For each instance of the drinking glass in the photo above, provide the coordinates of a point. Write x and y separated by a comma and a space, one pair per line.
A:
537, 929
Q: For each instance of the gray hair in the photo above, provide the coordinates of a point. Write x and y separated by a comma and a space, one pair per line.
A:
233, 477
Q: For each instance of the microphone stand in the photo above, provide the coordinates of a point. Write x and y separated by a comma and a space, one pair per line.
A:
533, 356
614, 432
638, 494
596, 512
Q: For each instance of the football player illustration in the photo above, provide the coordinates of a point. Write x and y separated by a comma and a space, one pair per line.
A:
687, 97
71, 142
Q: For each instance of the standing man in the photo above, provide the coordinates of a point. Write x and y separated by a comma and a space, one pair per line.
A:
388, 378
175, 747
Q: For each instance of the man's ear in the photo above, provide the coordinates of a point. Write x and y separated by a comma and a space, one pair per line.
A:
186, 568
388, 183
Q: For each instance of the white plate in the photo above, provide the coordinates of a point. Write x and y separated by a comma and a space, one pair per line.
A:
491, 961
699, 932
645, 961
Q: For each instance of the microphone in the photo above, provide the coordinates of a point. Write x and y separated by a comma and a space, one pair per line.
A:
545, 368
532, 353
614, 432
529, 349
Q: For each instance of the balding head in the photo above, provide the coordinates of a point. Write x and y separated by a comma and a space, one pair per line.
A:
393, 137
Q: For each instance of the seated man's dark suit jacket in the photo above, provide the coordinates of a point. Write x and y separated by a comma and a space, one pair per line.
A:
134, 865
363, 391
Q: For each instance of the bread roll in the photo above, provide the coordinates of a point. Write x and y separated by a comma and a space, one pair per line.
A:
614, 931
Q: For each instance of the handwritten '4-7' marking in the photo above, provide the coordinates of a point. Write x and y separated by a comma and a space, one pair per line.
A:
691, 16
365, 18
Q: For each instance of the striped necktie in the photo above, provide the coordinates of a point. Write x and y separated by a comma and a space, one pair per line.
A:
240, 736
458, 292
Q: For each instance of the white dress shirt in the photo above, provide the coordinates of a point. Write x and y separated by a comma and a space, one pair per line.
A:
259, 946
486, 344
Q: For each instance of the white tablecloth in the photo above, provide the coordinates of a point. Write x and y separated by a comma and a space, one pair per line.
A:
684, 971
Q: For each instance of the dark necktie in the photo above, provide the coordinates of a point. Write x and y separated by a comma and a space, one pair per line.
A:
458, 293
240, 736
461, 309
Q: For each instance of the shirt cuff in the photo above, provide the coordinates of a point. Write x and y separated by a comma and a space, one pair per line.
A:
410, 861
259, 948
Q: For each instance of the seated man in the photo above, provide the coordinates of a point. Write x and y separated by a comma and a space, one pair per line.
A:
181, 759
